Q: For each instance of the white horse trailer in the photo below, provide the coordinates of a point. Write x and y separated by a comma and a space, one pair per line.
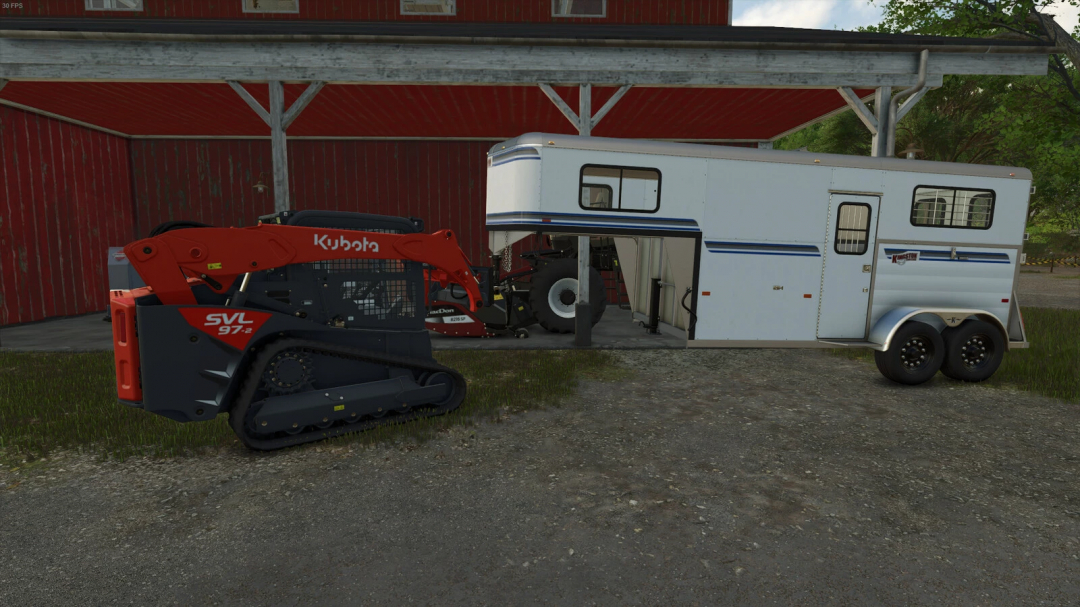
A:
917, 260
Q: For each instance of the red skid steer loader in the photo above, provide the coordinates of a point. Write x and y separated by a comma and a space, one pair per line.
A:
306, 326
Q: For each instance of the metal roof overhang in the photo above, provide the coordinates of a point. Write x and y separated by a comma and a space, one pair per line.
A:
186, 60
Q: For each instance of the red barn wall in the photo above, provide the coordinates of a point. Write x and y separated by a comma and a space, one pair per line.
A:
686, 12
212, 181
65, 197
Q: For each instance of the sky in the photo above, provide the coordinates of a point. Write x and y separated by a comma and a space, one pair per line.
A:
842, 14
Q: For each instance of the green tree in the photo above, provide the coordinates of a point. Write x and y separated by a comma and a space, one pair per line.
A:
1012, 19
1032, 122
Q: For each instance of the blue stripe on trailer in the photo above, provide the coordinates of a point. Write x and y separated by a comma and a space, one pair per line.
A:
767, 253
763, 248
496, 164
963, 260
761, 245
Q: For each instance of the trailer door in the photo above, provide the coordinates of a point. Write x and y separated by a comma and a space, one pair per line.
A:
844, 301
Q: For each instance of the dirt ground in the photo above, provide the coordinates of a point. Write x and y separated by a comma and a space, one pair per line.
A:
706, 477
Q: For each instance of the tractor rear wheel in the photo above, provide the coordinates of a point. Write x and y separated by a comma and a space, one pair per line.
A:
553, 295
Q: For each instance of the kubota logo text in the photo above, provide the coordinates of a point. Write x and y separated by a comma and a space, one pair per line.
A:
229, 324
328, 244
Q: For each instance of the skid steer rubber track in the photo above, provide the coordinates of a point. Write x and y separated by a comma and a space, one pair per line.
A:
243, 411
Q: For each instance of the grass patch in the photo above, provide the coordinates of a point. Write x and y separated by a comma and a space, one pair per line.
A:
1051, 366
59, 401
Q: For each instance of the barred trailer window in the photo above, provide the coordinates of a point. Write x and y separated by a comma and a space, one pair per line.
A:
941, 207
852, 228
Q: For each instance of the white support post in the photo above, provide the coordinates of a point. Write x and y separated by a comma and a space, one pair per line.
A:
881, 108
585, 121
585, 110
279, 119
583, 309
279, 150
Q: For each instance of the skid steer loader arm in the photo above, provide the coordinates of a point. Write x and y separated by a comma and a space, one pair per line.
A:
217, 256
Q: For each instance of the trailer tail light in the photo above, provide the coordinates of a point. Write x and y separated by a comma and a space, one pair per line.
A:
1006, 300
706, 293
807, 296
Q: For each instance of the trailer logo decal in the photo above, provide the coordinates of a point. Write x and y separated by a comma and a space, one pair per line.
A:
328, 244
902, 258
233, 327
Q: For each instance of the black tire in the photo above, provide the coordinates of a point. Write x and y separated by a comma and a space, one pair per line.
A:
561, 273
973, 351
914, 356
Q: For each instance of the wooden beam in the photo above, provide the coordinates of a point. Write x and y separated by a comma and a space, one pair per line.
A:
880, 139
94, 127
559, 103
301, 103
180, 61
598, 116
278, 146
246, 96
860, 108
910, 102
3, 83
584, 121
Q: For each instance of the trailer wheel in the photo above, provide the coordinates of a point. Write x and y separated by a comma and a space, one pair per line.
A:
973, 351
553, 295
914, 355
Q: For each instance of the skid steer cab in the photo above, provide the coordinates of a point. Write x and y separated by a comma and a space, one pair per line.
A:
306, 326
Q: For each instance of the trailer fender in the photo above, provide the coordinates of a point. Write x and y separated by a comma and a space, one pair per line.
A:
883, 330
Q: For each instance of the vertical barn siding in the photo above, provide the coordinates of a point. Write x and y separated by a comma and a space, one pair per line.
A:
686, 12
212, 181
65, 198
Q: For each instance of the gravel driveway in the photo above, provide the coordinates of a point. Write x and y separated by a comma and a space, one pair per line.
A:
1043, 289
707, 477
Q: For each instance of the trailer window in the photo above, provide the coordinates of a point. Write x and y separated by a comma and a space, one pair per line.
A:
852, 228
596, 196
629, 189
952, 208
